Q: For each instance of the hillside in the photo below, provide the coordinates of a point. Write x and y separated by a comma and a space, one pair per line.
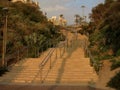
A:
104, 36
27, 27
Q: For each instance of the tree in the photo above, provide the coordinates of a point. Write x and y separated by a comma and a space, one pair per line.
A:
106, 34
62, 20
98, 13
27, 27
61, 15
77, 19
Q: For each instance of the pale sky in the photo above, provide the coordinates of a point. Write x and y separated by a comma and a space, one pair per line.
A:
68, 8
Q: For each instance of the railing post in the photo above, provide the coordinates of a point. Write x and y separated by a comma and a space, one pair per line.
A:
60, 51
67, 43
87, 52
47, 44
50, 62
18, 55
27, 52
56, 49
41, 70
71, 44
42, 51
37, 52
64, 44
56, 52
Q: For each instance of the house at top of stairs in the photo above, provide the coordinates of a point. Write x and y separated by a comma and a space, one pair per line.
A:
27, 1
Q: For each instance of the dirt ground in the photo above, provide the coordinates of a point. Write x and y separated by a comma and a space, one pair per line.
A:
105, 75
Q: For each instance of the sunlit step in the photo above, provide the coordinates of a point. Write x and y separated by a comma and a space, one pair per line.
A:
69, 80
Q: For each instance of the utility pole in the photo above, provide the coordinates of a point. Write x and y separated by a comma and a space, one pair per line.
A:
4, 62
83, 10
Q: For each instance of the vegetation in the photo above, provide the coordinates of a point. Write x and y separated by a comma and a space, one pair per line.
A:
104, 29
115, 65
115, 82
3, 70
28, 29
104, 33
78, 19
106, 26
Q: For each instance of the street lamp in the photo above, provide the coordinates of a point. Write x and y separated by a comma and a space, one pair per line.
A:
5, 12
83, 10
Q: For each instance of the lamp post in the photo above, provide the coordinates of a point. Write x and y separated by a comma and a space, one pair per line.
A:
4, 62
85, 18
83, 10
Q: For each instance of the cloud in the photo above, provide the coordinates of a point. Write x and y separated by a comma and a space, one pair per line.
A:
55, 8
53, 2
67, 7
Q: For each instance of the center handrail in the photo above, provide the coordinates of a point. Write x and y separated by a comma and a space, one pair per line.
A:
47, 58
44, 61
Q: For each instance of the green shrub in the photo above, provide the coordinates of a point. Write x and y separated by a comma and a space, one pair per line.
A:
3, 70
115, 64
112, 60
118, 53
104, 57
27, 28
115, 82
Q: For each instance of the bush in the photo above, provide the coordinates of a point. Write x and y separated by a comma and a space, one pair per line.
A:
3, 70
104, 57
118, 53
115, 64
27, 28
115, 82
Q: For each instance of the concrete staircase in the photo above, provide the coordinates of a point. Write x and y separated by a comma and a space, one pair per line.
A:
24, 71
71, 68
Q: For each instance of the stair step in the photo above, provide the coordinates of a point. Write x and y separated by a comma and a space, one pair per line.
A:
81, 77
85, 68
71, 67
19, 81
68, 80
73, 62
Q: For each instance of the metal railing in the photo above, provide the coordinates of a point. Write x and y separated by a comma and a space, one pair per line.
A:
16, 56
47, 58
88, 54
96, 64
44, 62
93, 62
25, 52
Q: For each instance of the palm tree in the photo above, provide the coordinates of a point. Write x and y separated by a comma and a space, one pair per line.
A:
61, 19
77, 19
61, 15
